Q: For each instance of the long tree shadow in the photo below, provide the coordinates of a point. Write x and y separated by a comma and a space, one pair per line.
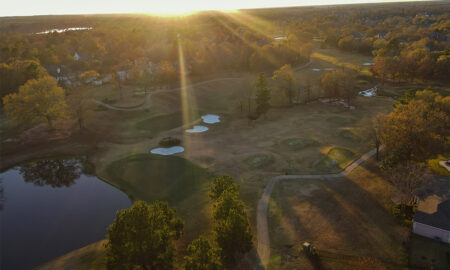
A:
356, 223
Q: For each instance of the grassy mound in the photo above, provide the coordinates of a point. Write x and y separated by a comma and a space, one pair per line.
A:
341, 120
169, 142
152, 177
164, 122
349, 134
299, 143
335, 159
259, 160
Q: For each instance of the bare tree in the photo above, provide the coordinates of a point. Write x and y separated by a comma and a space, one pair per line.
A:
407, 178
376, 130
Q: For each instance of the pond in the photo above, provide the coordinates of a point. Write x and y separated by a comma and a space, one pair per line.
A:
52, 207
62, 30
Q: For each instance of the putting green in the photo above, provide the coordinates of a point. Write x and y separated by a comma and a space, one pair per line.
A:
299, 143
153, 177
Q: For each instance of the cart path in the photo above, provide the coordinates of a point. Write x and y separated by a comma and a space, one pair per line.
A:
148, 99
262, 228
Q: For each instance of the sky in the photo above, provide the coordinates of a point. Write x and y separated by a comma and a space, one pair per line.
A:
51, 7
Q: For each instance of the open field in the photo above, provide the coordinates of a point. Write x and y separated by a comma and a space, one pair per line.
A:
345, 219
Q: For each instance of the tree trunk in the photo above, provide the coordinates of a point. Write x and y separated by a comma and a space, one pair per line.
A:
50, 123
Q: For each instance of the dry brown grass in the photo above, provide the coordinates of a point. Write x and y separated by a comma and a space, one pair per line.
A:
345, 219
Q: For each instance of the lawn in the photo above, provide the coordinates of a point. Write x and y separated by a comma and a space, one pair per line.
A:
342, 59
152, 177
345, 219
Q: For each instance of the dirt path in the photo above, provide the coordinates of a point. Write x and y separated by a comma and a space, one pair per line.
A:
262, 227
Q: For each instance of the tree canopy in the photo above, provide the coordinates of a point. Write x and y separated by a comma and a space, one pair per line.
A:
37, 101
262, 94
418, 129
285, 82
202, 256
231, 225
143, 236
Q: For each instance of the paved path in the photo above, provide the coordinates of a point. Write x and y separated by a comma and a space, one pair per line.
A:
263, 245
148, 99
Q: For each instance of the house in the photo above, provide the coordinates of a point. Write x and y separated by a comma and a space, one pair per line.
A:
381, 35
432, 217
76, 56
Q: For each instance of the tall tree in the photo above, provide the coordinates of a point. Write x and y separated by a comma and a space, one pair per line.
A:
415, 131
37, 101
262, 94
221, 184
232, 228
143, 236
18, 72
285, 81
202, 256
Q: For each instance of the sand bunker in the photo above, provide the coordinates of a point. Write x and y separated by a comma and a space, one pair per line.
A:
197, 129
367, 64
167, 151
210, 119
316, 69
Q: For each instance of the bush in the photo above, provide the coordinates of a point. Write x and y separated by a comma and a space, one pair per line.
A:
169, 142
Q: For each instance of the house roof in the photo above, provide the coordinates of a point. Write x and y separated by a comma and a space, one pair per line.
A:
434, 202
439, 218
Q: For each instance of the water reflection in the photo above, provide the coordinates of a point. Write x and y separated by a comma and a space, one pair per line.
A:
64, 209
55, 173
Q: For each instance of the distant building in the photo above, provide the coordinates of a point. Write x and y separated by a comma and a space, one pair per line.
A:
381, 35
76, 56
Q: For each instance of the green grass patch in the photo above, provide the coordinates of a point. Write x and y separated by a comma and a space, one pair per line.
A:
335, 159
299, 143
349, 134
434, 165
259, 160
152, 177
165, 122
341, 120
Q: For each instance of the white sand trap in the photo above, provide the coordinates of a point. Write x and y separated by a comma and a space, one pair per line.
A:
210, 119
316, 69
167, 151
367, 64
197, 129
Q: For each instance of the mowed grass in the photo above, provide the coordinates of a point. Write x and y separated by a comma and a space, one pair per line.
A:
165, 122
152, 177
336, 158
434, 165
342, 59
345, 219
259, 160
299, 143
90, 257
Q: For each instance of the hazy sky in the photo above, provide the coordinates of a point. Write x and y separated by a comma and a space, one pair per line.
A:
40, 7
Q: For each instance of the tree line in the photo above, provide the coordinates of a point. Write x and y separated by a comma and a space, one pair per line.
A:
143, 236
